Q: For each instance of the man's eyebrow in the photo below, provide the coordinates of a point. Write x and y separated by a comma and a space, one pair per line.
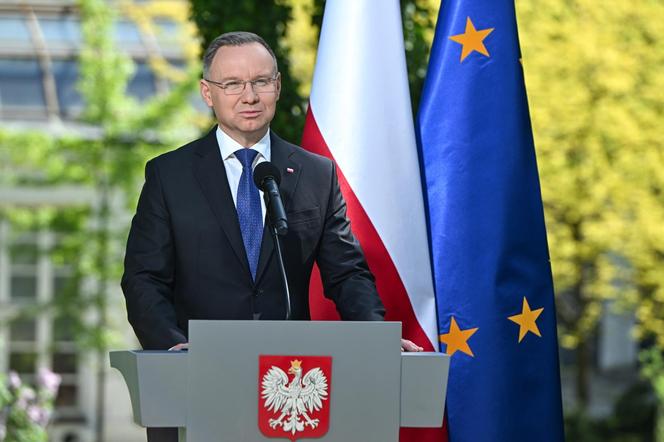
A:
263, 75
229, 78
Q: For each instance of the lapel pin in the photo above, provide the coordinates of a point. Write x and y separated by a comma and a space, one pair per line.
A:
290, 170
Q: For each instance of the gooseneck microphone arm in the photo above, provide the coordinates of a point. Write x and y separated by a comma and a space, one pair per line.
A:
267, 178
282, 270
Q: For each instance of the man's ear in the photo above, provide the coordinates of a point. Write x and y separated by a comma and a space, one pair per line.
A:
205, 92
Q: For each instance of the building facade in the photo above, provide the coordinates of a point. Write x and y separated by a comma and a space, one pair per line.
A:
40, 42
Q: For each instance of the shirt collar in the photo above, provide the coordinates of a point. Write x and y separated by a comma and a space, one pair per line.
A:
228, 146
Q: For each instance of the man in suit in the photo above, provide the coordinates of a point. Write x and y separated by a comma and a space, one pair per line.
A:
198, 247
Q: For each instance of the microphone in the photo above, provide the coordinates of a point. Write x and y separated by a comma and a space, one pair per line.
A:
267, 178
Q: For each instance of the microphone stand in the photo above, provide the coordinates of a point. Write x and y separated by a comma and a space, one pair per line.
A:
280, 259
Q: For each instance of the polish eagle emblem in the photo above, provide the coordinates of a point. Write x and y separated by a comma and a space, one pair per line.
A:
293, 401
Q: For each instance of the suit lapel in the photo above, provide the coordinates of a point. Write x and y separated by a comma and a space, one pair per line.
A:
281, 156
210, 172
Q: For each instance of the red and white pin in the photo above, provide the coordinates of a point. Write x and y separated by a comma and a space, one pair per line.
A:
290, 170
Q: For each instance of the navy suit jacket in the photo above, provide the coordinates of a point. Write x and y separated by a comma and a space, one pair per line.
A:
185, 256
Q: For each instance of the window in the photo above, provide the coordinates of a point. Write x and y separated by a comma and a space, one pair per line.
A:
65, 363
67, 396
14, 28
23, 354
166, 28
66, 77
23, 287
65, 358
61, 30
24, 363
142, 85
63, 330
23, 330
21, 83
23, 79
23, 251
127, 32
24, 256
168, 34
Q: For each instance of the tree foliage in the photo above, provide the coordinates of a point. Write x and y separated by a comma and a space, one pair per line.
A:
418, 22
594, 78
107, 158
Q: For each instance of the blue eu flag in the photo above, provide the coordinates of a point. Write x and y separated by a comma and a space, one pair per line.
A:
494, 290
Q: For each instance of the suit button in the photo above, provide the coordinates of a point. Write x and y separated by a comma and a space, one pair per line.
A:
258, 292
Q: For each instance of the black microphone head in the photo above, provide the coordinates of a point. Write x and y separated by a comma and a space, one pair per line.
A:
266, 170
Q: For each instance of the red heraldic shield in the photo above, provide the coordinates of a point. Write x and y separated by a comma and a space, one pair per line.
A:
294, 396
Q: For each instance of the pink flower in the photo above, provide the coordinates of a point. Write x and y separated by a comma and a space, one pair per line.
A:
35, 414
21, 403
49, 380
25, 396
14, 380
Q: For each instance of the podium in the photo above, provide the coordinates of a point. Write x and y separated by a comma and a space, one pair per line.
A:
258, 380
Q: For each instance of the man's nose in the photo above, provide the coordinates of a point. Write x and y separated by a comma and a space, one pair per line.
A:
248, 94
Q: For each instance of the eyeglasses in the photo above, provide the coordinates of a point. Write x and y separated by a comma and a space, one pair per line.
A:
236, 87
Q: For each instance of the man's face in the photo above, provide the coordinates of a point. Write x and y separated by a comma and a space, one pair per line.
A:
245, 117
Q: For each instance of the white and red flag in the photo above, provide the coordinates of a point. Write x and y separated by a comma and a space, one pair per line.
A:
360, 116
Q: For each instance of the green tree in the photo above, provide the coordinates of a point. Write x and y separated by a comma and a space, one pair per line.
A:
419, 17
108, 158
594, 78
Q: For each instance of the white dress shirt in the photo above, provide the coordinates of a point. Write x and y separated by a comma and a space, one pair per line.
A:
233, 166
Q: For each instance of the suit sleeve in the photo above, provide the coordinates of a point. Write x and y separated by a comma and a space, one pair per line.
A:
149, 271
344, 271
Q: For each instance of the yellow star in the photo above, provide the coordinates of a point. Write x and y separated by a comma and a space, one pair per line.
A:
526, 320
456, 339
471, 40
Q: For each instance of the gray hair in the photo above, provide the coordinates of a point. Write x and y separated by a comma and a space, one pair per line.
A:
238, 38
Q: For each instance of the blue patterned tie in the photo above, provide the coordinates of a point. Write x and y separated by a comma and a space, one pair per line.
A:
249, 209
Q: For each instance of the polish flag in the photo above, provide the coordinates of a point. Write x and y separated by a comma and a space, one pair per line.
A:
360, 116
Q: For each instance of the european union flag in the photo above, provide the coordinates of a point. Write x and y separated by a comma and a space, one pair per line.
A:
494, 290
